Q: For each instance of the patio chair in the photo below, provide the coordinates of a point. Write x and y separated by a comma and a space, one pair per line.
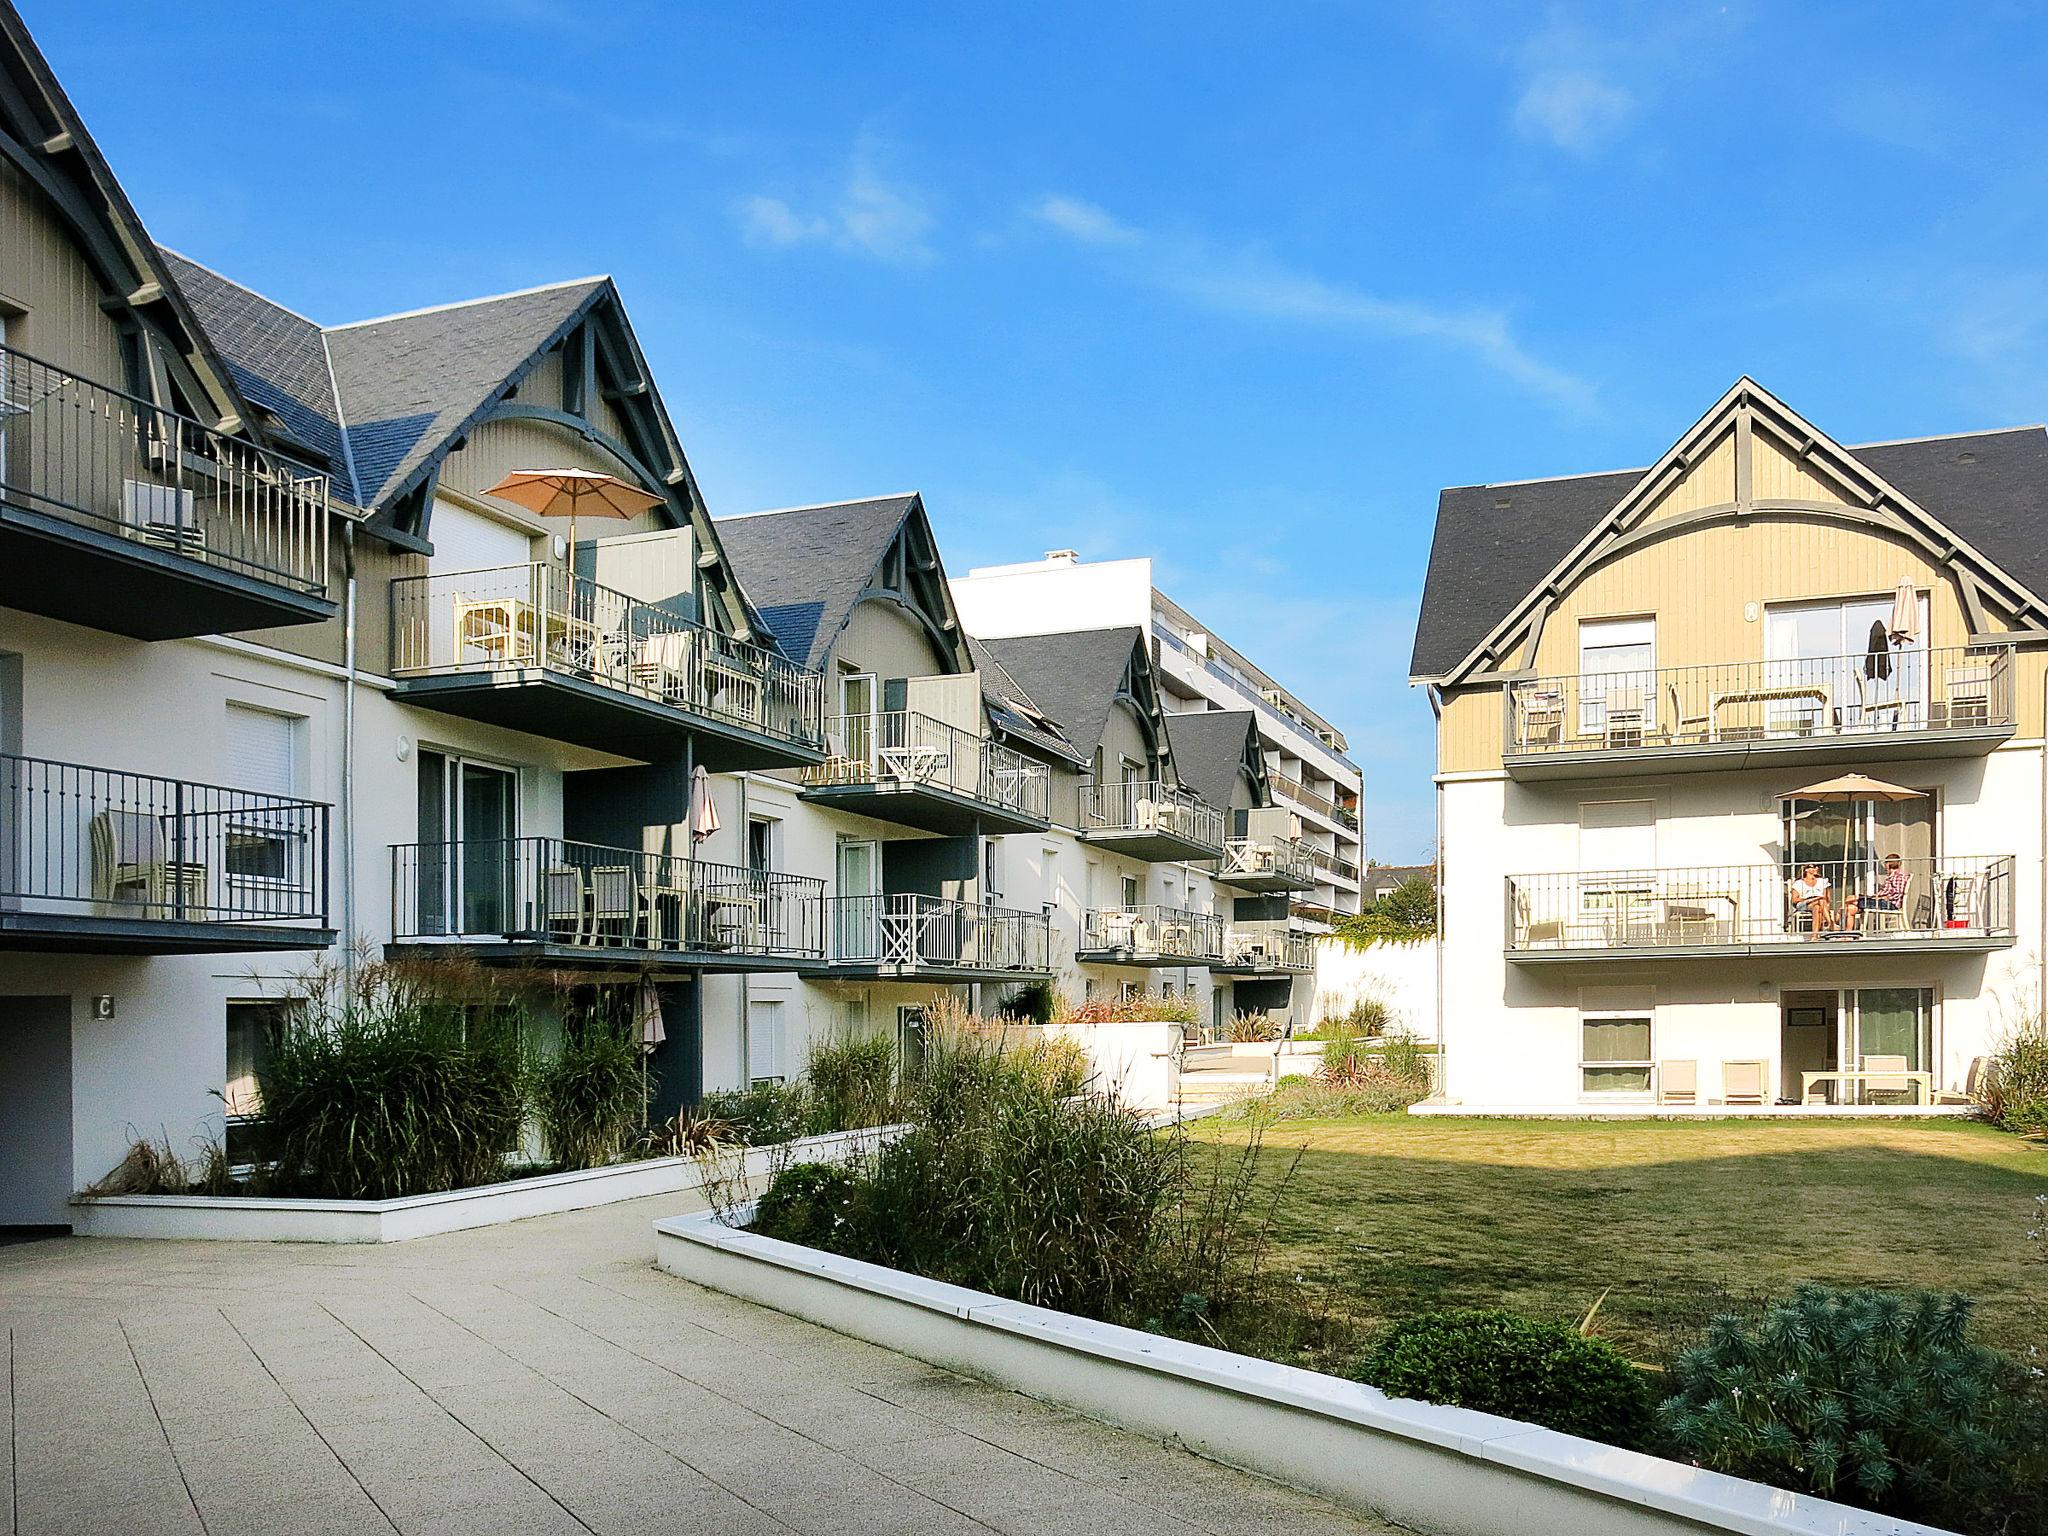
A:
1542, 711
1742, 1082
1973, 1084
1624, 717
564, 903
614, 903
1549, 930
1678, 1082
132, 862
1682, 725
662, 665
1886, 1075
1914, 911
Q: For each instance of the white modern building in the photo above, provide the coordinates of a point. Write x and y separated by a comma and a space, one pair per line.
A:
1198, 670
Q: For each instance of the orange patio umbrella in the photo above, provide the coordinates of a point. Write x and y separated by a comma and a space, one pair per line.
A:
573, 493
1847, 787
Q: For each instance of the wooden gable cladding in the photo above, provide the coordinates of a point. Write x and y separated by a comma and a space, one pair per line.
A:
911, 574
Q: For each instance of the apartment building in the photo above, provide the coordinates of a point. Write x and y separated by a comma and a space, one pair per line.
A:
1741, 770
1306, 761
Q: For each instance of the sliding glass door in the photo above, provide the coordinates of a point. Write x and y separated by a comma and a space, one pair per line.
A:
1834, 665
468, 856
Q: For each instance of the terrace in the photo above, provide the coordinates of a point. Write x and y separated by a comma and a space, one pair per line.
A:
1150, 936
937, 939
535, 649
123, 516
1267, 864
906, 767
1264, 949
1147, 819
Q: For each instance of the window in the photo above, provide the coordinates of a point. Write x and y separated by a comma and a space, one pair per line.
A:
991, 872
1840, 668
1614, 1054
767, 1052
1130, 890
261, 842
910, 1042
252, 1030
1617, 675
762, 838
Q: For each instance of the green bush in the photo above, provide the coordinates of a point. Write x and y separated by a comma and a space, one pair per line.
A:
852, 1083
815, 1204
590, 1095
2015, 1086
1501, 1362
1402, 915
1380, 1076
1059, 1060
762, 1115
1035, 1002
1875, 1398
1368, 1016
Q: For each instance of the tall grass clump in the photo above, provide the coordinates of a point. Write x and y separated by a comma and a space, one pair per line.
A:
2014, 1090
1369, 1077
590, 1096
852, 1083
397, 1090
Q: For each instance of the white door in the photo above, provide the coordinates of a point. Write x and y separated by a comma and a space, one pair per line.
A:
858, 696
857, 920
1838, 664
1617, 674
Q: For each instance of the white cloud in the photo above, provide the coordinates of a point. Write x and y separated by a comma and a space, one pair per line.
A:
1575, 109
1250, 286
870, 216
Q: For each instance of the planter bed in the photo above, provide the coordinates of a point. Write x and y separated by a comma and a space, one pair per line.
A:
249, 1218
1448, 1470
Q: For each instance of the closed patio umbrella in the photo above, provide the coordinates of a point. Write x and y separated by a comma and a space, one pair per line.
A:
1904, 626
703, 809
573, 493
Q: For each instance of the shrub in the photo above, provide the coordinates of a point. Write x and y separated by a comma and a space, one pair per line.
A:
1501, 1362
2014, 1090
811, 1203
1252, 1028
852, 1083
1876, 1398
146, 1168
762, 1115
1059, 1060
1145, 1007
1317, 1098
1381, 1076
1368, 1016
1402, 915
1035, 1002
591, 1094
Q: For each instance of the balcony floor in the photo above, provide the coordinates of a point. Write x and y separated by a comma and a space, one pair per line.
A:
623, 961
877, 970
1250, 968
1596, 762
1266, 881
104, 580
564, 707
89, 934
1788, 948
1153, 846
1147, 961
924, 807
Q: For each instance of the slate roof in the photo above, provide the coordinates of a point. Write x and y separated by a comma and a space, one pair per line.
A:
1073, 676
1015, 715
1209, 749
1495, 542
806, 567
1381, 878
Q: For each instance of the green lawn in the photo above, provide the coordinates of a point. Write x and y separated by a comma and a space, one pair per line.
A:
1677, 1221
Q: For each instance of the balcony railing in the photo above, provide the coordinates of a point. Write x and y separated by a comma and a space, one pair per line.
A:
901, 749
1148, 806
1862, 699
1330, 864
1268, 947
1153, 933
105, 460
1967, 900
513, 617
1280, 859
1293, 789
103, 843
591, 897
912, 932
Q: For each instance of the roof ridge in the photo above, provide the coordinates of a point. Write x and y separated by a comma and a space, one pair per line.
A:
818, 506
488, 298
1942, 437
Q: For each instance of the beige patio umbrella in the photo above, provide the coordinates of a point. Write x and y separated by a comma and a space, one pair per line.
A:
1847, 787
703, 809
573, 493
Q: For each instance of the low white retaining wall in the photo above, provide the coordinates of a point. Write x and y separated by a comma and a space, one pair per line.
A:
1136, 1059
251, 1220
1446, 1470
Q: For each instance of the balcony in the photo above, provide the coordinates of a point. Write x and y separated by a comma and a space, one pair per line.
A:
531, 648
1145, 819
1953, 905
121, 516
1267, 864
1294, 790
1329, 865
551, 901
1756, 714
932, 938
1150, 936
1257, 949
96, 861
908, 768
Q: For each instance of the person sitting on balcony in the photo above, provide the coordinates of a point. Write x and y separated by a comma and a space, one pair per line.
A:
1889, 896
1812, 891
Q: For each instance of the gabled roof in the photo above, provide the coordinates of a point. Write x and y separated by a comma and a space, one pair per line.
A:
1075, 676
1213, 749
806, 567
1495, 545
1013, 713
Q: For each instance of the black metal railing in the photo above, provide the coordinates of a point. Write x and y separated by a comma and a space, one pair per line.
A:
103, 459
1856, 902
908, 931
99, 841
589, 896
512, 617
901, 749
1876, 694
1146, 805
1153, 932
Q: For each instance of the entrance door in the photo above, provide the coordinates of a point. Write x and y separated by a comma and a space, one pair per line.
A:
469, 863
1809, 1040
857, 916
35, 1112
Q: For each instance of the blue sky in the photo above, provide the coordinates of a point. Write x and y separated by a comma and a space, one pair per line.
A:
1237, 286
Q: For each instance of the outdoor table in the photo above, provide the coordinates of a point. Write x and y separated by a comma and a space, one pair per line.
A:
1790, 691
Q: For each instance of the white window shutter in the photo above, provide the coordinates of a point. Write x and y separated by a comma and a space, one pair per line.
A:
262, 750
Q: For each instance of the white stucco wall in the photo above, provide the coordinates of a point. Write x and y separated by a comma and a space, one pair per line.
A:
1403, 976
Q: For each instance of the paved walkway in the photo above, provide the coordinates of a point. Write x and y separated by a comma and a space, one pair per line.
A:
536, 1378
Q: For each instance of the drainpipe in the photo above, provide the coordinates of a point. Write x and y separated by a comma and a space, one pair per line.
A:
746, 977
1443, 1066
2041, 982
348, 771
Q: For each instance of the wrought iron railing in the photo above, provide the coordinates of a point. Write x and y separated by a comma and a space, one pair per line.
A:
103, 459
589, 896
511, 617
1879, 693
902, 749
1146, 805
1282, 857
1153, 932
1269, 947
907, 931
98, 841
1860, 903
1301, 794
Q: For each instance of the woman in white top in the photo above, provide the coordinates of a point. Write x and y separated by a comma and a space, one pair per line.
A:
1811, 891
